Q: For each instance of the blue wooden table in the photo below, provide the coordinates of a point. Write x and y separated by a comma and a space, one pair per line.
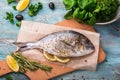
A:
110, 40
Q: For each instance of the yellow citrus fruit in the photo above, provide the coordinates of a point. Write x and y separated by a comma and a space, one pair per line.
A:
61, 59
12, 63
22, 4
49, 57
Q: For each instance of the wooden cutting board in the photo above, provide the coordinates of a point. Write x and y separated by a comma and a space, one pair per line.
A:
57, 69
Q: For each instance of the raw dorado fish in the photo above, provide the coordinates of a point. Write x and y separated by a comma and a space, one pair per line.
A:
66, 43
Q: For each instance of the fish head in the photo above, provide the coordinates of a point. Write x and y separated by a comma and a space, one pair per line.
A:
86, 47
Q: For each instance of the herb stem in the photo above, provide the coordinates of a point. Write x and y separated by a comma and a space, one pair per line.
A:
25, 64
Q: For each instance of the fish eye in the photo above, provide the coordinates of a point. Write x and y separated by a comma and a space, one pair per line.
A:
87, 41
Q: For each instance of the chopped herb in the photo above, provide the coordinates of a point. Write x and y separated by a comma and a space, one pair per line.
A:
25, 64
10, 1
9, 16
18, 23
8, 78
34, 9
14, 7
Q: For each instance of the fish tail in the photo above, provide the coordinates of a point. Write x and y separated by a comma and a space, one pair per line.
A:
22, 46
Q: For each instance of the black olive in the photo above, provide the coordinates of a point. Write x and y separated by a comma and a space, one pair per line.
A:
51, 5
19, 17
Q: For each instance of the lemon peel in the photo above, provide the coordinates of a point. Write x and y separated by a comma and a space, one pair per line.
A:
12, 63
62, 60
49, 57
22, 4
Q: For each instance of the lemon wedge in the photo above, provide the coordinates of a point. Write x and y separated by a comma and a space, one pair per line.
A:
62, 60
22, 4
49, 57
12, 63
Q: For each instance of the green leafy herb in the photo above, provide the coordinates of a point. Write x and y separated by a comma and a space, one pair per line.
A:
10, 1
9, 16
69, 4
25, 64
8, 78
18, 23
34, 9
88, 5
108, 10
69, 15
14, 7
81, 10
90, 11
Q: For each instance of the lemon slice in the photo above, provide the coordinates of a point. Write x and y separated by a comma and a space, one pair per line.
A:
22, 4
61, 59
49, 57
12, 63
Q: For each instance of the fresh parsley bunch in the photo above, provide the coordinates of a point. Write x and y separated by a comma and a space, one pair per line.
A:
10, 16
34, 9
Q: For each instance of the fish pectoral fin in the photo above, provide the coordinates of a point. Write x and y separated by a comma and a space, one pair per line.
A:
67, 44
39, 49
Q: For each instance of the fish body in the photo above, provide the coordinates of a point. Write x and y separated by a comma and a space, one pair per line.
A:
66, 43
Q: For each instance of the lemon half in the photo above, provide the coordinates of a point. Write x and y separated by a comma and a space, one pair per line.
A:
62, 60
12, 63
22, 4
49, 57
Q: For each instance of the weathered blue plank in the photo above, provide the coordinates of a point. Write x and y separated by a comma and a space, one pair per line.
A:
110, 40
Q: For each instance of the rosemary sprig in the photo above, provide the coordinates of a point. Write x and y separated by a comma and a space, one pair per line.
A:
25, 64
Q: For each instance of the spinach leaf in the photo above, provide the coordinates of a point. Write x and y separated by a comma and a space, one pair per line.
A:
69, 15
69, 4
87, 4
82, 14
97, 9
76, 13
91, 19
